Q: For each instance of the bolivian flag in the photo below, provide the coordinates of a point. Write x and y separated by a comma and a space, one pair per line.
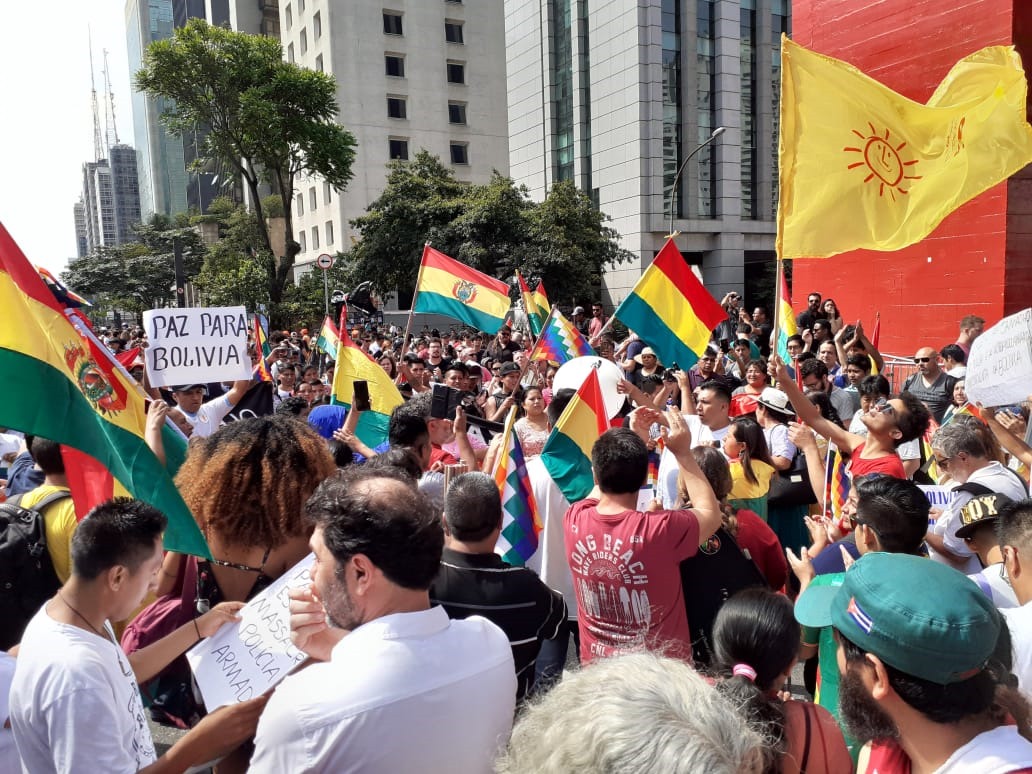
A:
353, 365
567, 452
536, 313
329, 338
448, 287
62, 391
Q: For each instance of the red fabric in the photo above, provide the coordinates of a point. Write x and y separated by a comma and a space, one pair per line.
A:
437, 454
742, 404
887, 757
88, 480
627, 578
756, 537
889, 465
128, 357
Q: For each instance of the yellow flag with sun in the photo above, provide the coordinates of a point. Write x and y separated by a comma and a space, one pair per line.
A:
864, 167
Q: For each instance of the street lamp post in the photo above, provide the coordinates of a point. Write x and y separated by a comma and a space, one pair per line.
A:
673, 191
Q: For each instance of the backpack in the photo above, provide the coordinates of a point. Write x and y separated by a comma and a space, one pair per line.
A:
27, 577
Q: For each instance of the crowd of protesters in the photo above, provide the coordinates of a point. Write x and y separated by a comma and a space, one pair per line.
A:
687, 609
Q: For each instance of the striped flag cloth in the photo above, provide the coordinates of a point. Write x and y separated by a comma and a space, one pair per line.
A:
521, 523
329, 338
353, 364
446, 286
535, 314
559, 340
836, 486
261, 345
567, 452
785, 317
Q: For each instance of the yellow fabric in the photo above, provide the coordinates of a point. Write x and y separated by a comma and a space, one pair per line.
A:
864, 167
59, 522
742, 488
487, 300
353, 364
669, 302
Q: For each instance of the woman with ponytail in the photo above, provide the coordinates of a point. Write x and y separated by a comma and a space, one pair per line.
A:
751, 466
755, 640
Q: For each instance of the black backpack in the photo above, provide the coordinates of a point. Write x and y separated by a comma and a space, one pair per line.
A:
27, 577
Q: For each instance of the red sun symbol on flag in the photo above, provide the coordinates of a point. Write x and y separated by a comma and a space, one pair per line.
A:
883, 161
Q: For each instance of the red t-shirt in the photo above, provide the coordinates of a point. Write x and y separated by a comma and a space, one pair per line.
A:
756, 537
627, 578
889, 465
438, 454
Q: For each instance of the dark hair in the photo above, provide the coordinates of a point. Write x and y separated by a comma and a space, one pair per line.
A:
406, 427
292, 406
620, 461
556, 407
806, 355
838, 314
459, 367
823, 402
756, 627
954, 351
121, 531
857, 360
411, 358
401, 458
47, 454
378, 512
1014, 525
914, 421
896, 509
650, 383
472, 507
715, 468
813, 367
718, 388
747, 431
756, 363
342, 453
796, 338
874, 385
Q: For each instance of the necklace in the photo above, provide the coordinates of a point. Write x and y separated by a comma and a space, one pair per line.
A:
84, 618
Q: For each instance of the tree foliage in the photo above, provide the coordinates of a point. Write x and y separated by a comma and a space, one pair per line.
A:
233, 272
495, 228
268, 119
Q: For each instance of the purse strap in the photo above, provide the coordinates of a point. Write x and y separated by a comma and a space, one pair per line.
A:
188, 590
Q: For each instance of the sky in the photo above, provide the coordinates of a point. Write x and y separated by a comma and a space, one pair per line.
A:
47, 129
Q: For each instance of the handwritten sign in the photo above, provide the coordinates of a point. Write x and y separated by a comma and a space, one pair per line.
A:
244, 660
999, 370
196, 346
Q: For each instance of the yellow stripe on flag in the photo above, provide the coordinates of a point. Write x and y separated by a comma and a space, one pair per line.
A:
353, 364
487, 300
656, 289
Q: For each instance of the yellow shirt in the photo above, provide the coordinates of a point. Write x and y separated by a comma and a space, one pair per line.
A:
742, 488
59, 522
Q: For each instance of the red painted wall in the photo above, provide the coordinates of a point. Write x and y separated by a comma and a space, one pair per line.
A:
979, 259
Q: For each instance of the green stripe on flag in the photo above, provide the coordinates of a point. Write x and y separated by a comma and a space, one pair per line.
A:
643, 320
568, 467
434, 303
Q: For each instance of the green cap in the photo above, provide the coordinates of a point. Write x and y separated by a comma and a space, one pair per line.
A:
921, 617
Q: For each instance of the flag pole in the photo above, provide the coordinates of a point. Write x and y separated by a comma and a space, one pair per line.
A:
778, 283
412, 308
534, 349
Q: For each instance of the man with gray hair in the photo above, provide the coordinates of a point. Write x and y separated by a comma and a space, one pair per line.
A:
960, 451
473, 579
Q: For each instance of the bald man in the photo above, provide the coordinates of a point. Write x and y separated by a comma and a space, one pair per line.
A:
931, 385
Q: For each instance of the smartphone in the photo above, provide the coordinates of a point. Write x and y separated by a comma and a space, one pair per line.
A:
361, 402
443, 401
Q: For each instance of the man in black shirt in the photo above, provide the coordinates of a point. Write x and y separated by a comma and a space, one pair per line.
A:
473, 579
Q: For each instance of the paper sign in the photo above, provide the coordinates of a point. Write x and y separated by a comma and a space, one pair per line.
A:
196, 346
243, 660
999, 369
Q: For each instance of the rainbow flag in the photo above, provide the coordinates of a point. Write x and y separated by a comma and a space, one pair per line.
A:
329, 338
670, 309
453, 289
785, 322
261, 344
353, 364
836, 485
567, 452
967, 410
559, 340
69, 392
535, 314
521, 523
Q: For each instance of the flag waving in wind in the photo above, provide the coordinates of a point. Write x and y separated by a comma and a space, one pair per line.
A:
535, 314
521, 524
446, 286
786, 322
567, 452
354, 364
861, 166
329, 338
559, 340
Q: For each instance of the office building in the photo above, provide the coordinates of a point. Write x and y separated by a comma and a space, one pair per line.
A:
411, 74
615, 96
109, 205
81, 242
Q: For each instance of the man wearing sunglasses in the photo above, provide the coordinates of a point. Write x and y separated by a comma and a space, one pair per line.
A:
931, 385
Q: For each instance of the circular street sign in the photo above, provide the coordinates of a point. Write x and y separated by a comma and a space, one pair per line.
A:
324, 261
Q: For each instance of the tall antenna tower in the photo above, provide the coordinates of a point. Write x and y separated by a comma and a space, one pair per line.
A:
98, 146
111, 127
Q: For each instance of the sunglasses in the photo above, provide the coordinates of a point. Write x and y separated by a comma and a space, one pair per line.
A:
922, 359
884, 407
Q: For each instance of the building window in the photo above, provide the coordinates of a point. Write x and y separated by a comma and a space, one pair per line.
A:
704, 199
398, 149
304, 42
453, 31
327, 193
315, 237
395, 65
459, 153
561, 32
391, 23
302, 240
290, 52
396, 107
289, 17
317, 26
457, 113
300, 204
313, 200
328, 229
673, 201
456, 72
318, 64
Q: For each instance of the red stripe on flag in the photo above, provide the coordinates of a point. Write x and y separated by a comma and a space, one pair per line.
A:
702, 304
14, 262
89, 481
438, 260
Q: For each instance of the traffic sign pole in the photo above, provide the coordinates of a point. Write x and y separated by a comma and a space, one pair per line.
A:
325, 262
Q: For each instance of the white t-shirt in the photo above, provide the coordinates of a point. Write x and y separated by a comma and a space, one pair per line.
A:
75, 705
1019, 619
549, 561
405, 692
911, 450
209, 416
666, 477
9, 760
995, 587
996, 478
999, 751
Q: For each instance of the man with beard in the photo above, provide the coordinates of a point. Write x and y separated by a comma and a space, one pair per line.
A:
924, 675
407, 689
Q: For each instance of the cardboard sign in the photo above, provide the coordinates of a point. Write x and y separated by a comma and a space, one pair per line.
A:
196, 346
999, 370
244, 660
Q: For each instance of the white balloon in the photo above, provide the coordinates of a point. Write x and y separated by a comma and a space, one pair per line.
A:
573, 373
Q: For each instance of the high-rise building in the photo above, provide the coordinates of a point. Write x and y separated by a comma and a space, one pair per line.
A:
99, 203
615, 96
125, 191
81, 242
109, 206
411, 74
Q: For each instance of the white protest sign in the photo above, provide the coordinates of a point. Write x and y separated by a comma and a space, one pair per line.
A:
196, 346
999, 369
244, 660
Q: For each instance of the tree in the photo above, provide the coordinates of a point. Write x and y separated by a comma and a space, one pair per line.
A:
268, 119
495, 228
232, 273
